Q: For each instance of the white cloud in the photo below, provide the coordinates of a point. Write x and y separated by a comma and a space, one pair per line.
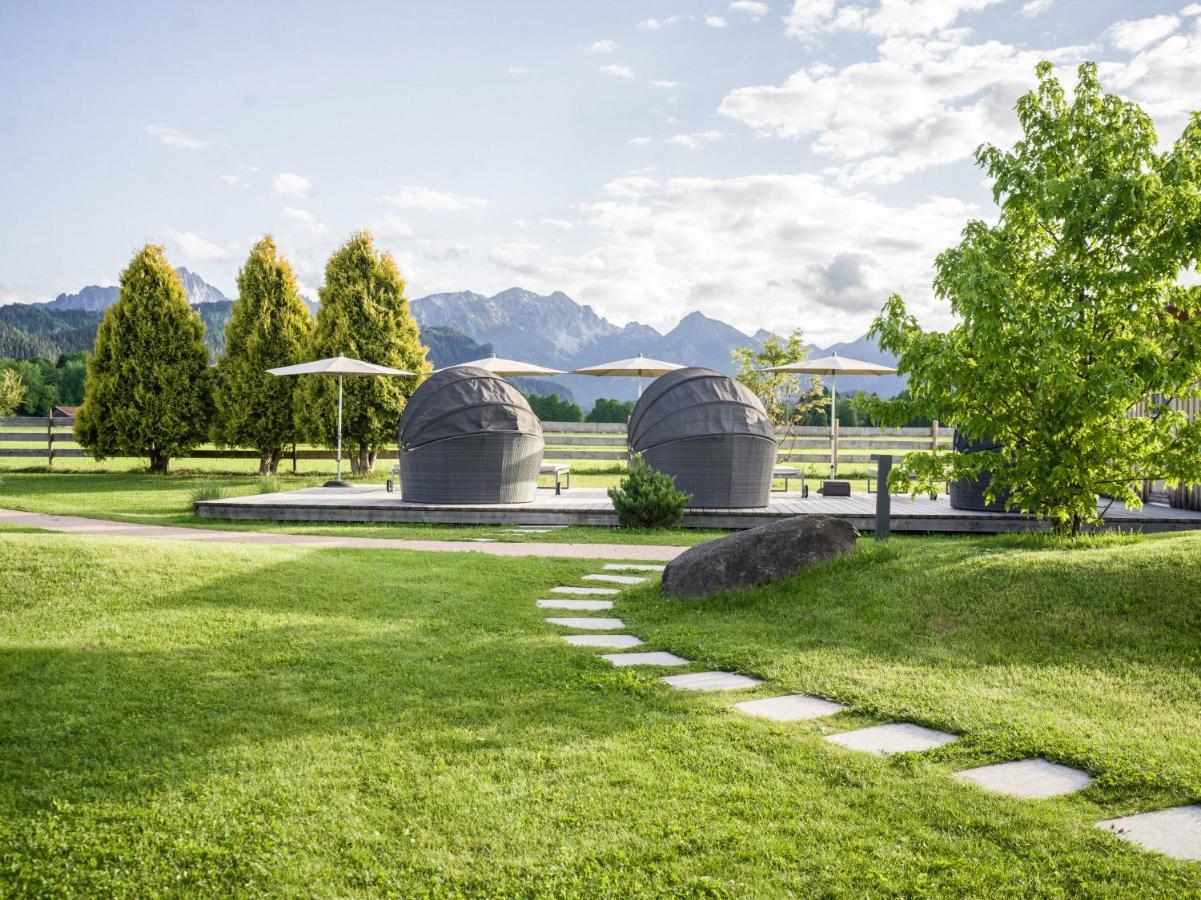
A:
392, 227
640, 141
661, 83
197, 247
292, 185
696, 140
305, 218
517, 71
752, 8
1162, 78
660, 24
618, 71
415, 197
715, 22
561, 224
1138, 34
769, 250
173, 137
1036, 7
230, 180
922, 102
602, 46
1193, 9
887, 18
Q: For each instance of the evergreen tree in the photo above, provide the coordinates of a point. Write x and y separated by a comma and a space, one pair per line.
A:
148, 387
269, 326
364, 314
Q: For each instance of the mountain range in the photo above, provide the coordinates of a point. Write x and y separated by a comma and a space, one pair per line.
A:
551, 330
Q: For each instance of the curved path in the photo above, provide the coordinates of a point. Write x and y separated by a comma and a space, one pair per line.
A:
80, 525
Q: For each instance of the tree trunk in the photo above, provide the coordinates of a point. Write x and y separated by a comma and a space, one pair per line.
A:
269, 462
363, 461
159, 464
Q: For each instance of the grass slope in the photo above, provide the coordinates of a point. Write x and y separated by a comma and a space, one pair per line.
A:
198, 720
158, 500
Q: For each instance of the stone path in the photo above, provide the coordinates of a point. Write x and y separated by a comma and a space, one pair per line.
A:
1175, 832
81, 525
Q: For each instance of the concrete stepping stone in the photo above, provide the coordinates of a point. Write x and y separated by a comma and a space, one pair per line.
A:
710, 681
895, 737
654, 658
790, 708
604, 641
595, 623
1174, 832
1028, 779
633, 567
616, 579
575, 604
584, 590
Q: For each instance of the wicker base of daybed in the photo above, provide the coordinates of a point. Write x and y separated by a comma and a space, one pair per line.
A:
476, 468
720, 471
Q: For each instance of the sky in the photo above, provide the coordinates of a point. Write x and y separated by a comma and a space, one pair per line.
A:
772, 164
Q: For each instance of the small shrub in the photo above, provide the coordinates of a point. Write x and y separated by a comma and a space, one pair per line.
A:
270, 484
648, 499
207, 490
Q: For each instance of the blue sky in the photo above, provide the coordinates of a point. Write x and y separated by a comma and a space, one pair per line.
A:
773, 164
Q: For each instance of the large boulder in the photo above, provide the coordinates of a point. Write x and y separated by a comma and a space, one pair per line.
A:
757, 555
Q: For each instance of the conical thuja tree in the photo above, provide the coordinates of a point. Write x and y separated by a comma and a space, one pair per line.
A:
148, 387
364, 314
269, 326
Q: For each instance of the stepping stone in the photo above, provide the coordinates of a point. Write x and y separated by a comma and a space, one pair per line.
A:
896, 737
584, 590
1028, 778
633, 567
655, 658
575, 604
588, 624
616, 579
1174, 832
710, 681
790, 708
605, 641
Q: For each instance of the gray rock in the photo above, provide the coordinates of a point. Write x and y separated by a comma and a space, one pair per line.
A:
757, 555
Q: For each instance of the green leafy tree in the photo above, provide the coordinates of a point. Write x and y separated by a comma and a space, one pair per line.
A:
148, 387
607, 410
647, 498
786, 396
1070, 313
364, 314
553, 408
12, 391
72, 378
269, 326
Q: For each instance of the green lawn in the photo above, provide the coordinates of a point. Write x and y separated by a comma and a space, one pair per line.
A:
158, 500
198, 720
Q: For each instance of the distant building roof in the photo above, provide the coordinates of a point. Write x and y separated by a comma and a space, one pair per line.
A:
64, 411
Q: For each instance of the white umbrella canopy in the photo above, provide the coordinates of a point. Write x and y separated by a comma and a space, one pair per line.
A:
833, 366
338, 365
506, 368
637, 366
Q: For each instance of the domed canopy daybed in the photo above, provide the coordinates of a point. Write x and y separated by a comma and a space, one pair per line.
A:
711, 433
468, 436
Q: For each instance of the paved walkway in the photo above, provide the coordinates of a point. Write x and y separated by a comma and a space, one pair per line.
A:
80, 525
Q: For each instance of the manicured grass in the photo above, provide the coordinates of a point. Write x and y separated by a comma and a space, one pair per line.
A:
167, 500
198, 720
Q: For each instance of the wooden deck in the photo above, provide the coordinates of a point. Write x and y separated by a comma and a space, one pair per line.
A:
591, 506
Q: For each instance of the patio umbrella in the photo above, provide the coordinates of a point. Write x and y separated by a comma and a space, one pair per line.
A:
637, 366
338, 365
506, 368
833, 365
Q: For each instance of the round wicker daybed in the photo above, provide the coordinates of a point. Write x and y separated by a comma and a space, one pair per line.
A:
468, 436
711, 433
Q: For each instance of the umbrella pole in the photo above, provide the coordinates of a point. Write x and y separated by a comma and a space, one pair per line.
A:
338, 477
833, 426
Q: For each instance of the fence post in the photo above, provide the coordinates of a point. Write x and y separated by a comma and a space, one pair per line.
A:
883, 497
934, 435
50, 439
293, 457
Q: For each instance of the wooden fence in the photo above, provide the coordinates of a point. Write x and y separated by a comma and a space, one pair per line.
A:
51, 438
